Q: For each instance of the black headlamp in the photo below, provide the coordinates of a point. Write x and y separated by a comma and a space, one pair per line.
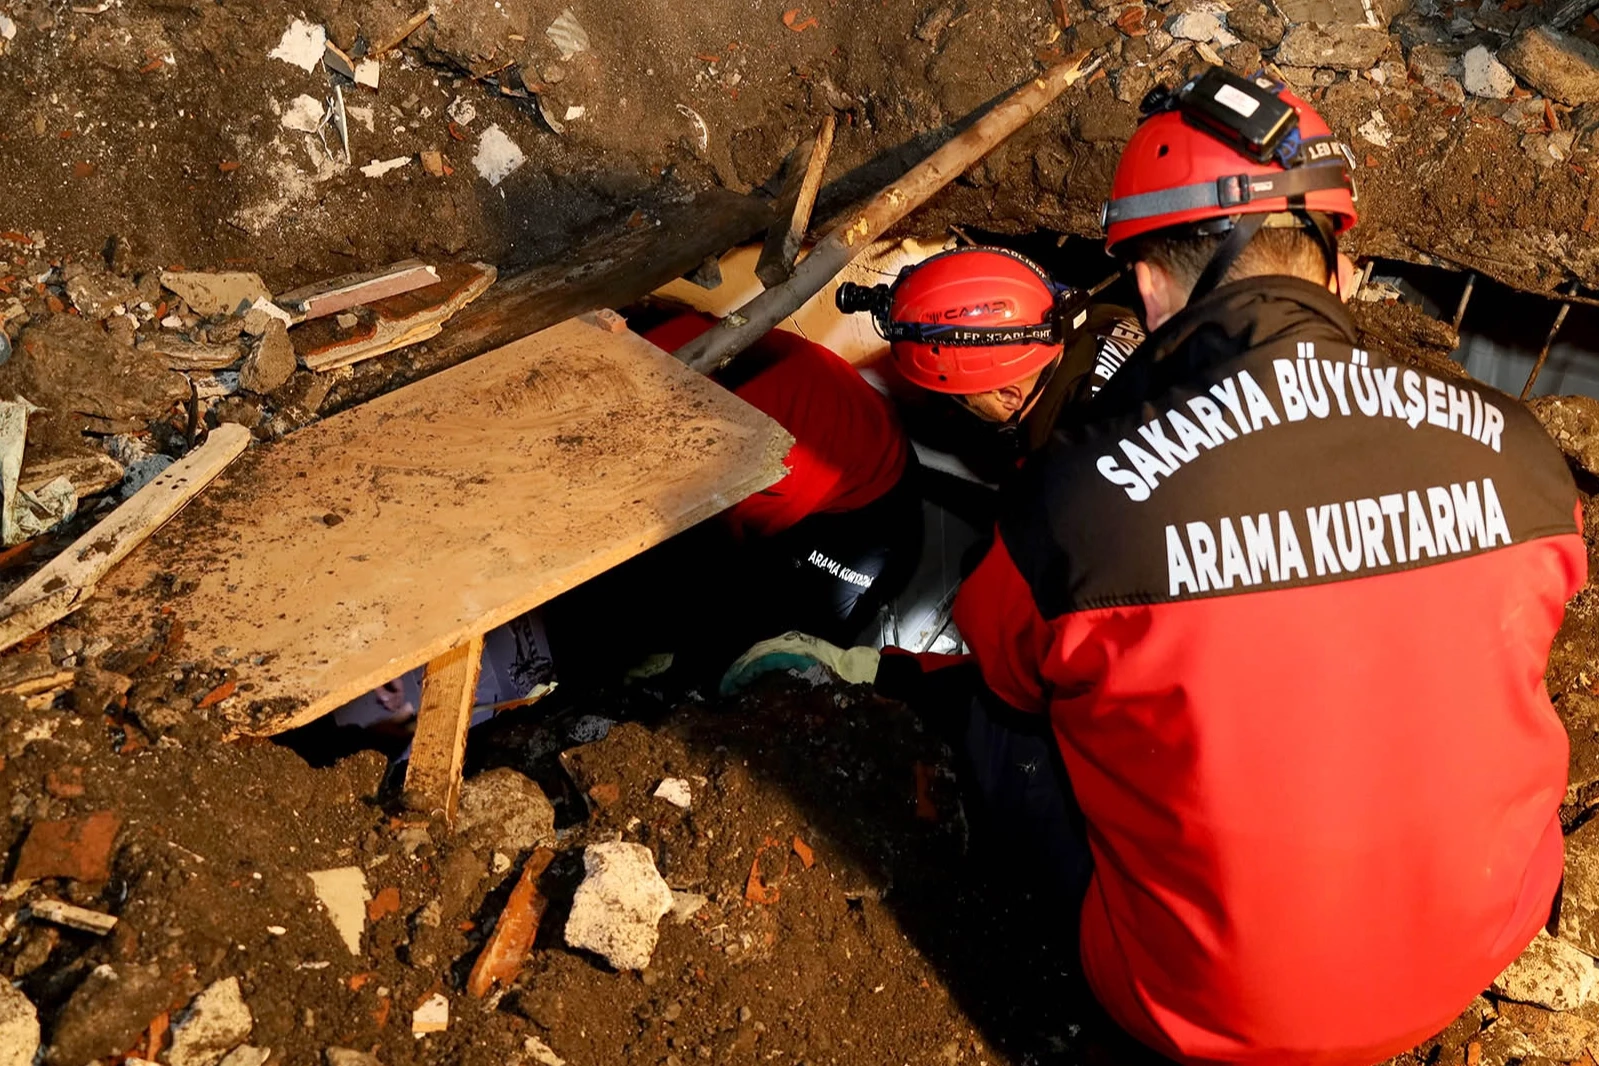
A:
1246, 113
1069, 315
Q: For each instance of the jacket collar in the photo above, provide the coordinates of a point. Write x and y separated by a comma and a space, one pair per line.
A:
1252, 313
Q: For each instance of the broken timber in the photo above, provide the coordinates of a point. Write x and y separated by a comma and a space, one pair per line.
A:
61, 585
352, 290
794, 208
397, 321
379, 539
716, 347
438, 751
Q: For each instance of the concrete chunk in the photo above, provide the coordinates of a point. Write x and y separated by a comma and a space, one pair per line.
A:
1340, 47
1550, 973
619, 905
1485, 76
212, 295
19, 1027
1557, 64
503, 809
217, 1022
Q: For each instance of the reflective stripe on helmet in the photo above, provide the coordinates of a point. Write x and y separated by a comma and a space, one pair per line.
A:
1231, 191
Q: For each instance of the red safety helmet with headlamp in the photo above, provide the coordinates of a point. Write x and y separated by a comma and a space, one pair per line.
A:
970, 320
1230, 154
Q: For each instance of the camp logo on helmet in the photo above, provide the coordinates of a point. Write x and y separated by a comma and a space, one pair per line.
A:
990, 307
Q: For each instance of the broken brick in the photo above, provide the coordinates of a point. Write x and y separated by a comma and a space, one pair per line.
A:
77, 848
606, 794
383, 904
506, 952
217, 695
65, 783
807, 857
433, 163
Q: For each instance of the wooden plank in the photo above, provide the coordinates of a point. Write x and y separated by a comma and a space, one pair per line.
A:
794, 209
438, 751
62, 584
353, 290
374, 541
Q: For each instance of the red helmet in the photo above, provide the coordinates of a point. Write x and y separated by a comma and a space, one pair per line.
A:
967, 321
1197, 160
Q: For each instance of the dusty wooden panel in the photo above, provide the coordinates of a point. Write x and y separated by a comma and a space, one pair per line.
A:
372, 542
438, 752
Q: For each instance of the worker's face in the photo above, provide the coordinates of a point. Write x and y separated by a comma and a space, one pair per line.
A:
1001, 405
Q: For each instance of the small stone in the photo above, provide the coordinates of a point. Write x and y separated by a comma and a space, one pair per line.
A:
1579, 898
1483, 75
215, 295
1556, 64
271, 361
433, 163
1339, 46
686, 905
540, 1053
368, 72
19, 1027
433, 1016
1376, 130
1195, 26
1257, 23
675, 790
344, 896
247, 1056
501, 808
216, 1022
619, 905
343, 1056
303, 45
1550, 973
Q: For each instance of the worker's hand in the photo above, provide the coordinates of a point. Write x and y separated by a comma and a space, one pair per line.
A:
800, 652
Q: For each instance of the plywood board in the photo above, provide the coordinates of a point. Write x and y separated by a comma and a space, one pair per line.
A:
370, 543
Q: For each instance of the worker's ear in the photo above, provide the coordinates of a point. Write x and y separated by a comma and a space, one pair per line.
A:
1161, 294
1012, 397
1343, 285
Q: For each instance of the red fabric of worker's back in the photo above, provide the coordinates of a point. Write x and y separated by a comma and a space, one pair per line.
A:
849, 448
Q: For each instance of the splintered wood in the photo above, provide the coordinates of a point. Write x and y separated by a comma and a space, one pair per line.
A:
433, 778
336, 559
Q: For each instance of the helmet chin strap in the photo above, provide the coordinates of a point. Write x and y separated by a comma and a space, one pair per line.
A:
1245, 230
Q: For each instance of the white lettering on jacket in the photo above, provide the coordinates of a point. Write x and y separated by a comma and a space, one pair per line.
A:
1308, 387
1345, 538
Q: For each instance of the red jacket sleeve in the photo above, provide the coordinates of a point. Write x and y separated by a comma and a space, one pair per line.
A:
1000, 622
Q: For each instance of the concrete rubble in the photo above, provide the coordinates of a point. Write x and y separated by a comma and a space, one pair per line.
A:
19, 1027
619, 905
501, 808
216, 1022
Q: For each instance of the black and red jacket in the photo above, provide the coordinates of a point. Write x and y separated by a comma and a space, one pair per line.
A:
1289, 605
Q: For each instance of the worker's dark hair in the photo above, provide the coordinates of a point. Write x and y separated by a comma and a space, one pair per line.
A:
1275, 250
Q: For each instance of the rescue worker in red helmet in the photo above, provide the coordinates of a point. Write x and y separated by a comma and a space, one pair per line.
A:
988, 328
1285, 605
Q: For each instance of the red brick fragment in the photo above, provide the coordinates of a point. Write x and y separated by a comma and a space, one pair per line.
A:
506, 952
78, 848
65, 783
383, 904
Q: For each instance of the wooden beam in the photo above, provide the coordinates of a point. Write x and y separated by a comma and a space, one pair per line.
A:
794, 208
438, 751
713, 349
63, 583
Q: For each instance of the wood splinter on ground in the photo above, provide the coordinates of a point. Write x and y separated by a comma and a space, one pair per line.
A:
352, 290
62, 584
506, 952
